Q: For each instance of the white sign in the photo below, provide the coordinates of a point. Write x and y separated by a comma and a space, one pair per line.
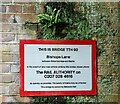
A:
57, 67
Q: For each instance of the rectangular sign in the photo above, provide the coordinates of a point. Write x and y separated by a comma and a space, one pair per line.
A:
57, 67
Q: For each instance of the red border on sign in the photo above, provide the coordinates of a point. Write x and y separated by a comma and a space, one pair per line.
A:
58, 93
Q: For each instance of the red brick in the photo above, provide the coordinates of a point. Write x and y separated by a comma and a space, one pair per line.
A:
15, 8
23, 17
4, 27
5, 17
29, 9
28, 17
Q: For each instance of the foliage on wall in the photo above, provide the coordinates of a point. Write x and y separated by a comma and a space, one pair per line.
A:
79, 21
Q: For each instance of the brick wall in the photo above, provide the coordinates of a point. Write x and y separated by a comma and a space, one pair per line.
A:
13, 14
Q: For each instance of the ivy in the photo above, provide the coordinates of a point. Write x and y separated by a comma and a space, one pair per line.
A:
63, 20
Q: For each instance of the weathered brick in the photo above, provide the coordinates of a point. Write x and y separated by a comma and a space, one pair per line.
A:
1, 90
14, 68
14, 48
115, 50
22, 1
115, 88
5, 48
104, 69
1, 27
10, 58
0, 30
15, 58
107, 85
21, 18
101, 60
4, 27
0, 17
0, 78
32, 0
29, 9
6, 1
2, 8
0, 56
5, 90
5, 17
112, 98
28, 17
5, 68
8, 37
14, 19
0, 99
115, 69
14, 89
0, 40
22, 99
1, 45
14, 8
0, 68
8, 99
115, 40
26, 37
18, 1
101, 89
15, 28
16, 78
6, 58
7, 78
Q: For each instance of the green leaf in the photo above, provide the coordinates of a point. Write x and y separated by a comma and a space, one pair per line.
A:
56, 17
44, 17
49, 9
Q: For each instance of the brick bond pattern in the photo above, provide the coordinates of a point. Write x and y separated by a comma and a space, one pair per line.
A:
10, 34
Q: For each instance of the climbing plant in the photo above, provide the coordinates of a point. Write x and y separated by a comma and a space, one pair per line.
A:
61, 21
77, 21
